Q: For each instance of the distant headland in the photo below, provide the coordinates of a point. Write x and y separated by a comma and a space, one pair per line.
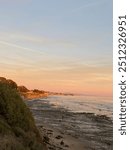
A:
31, 94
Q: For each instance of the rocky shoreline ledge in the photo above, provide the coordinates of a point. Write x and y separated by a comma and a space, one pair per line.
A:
64, 130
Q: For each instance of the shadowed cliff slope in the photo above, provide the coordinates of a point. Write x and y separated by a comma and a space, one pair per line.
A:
17, 126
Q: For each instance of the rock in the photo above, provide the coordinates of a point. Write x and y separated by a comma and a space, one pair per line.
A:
46, 139
58, 137
66, 145
62, 143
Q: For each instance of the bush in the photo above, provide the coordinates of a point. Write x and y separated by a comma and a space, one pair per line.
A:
14, 109
16, 119
4, 127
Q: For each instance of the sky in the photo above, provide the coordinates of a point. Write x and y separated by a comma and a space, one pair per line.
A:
57, 45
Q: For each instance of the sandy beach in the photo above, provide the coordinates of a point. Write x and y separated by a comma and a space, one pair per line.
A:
65, 130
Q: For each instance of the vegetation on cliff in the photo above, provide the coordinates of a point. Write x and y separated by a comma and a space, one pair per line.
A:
17, 126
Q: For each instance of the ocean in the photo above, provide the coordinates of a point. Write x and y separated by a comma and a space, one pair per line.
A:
87, 104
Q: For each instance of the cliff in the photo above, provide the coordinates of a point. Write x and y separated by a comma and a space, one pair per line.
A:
35, 94
17, 126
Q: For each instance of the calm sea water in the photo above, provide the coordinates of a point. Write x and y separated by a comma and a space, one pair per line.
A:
91, 104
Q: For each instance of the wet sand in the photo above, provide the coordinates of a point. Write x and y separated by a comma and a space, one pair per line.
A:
65, 130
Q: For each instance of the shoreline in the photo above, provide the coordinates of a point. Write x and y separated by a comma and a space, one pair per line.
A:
37, 94
64, 130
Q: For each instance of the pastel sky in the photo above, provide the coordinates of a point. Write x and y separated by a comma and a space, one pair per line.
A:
57, 45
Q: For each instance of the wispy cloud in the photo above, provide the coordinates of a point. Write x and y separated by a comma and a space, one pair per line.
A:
17, 46
16, 1
35, 40
87, 5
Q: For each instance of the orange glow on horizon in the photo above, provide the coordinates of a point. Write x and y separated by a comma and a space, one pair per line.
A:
97, 89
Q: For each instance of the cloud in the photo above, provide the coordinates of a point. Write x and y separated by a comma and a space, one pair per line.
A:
16, 1
87, 5
35, 41
17, 46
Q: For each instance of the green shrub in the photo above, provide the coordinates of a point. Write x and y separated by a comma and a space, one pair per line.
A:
16, 120
14, 109
4, 127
